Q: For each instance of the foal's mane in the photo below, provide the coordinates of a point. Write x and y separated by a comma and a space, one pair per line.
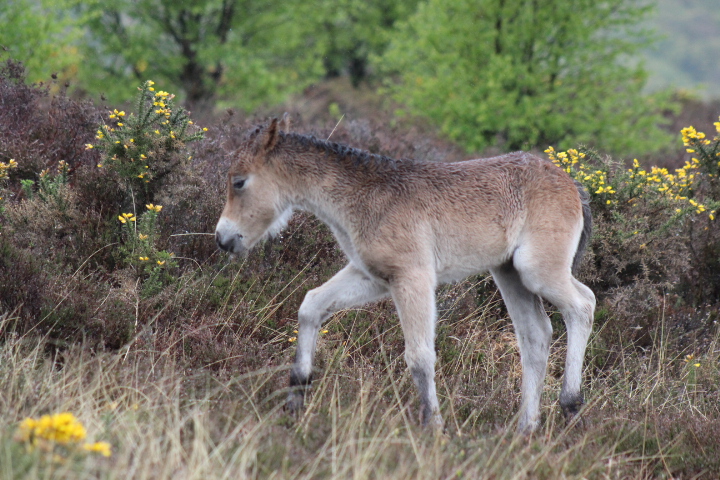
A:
348, 156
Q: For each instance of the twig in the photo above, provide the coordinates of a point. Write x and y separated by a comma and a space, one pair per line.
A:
336, 125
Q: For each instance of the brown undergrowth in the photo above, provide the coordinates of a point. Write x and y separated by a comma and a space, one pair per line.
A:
186, 380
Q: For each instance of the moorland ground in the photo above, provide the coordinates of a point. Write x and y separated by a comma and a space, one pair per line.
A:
182, 367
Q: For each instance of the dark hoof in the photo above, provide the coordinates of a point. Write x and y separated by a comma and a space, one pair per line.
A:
571, 404
433, 423
571, 410
295, 403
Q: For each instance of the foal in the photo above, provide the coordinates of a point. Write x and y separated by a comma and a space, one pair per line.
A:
407, 226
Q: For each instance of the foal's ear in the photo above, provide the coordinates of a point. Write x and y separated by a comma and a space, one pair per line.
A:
268, 136
285, 122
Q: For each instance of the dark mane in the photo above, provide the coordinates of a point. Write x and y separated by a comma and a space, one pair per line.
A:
349, 156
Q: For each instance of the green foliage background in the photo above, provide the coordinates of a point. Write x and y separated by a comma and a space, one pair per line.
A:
44, 34
516, 74
506, 73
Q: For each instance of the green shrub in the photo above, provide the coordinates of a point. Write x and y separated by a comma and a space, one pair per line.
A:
144, 147
139, 249
520, 74
654, 227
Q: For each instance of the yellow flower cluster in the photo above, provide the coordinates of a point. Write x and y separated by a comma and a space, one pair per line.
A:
154, 208
115, 114
676, 186
571, 162
566, 160
160, 100
4, 167
58, 429
690, 359
103, 448
127, 217
62, 428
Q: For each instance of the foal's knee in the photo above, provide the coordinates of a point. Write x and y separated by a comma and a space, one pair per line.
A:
311, 311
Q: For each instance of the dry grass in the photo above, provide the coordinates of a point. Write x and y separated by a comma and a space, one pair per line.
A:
189, 381
651, 415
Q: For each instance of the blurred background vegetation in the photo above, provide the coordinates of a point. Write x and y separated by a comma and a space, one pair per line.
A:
486, 73
175, 355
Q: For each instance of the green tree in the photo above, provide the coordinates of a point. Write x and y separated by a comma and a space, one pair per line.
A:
42, 35
210, 50
348, 32
523, 73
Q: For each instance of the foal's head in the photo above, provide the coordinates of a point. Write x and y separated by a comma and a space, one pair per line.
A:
255, 206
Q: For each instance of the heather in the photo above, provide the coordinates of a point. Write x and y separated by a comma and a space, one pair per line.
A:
119, 317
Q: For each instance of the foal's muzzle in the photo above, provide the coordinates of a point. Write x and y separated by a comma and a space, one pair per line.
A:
232, 243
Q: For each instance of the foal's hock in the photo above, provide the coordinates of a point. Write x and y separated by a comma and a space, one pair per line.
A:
407, 226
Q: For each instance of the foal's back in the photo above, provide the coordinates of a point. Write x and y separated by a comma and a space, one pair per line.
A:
471, 216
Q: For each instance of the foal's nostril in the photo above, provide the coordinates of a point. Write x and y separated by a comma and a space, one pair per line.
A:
219, 243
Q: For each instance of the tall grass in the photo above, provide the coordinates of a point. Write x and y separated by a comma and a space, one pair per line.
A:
648, 417
185, 377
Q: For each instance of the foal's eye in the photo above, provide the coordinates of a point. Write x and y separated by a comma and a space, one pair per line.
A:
238, 184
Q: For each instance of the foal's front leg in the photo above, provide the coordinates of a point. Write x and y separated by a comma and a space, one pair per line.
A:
414, 297
349, 288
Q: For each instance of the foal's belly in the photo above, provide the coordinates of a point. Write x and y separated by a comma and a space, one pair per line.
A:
468, 255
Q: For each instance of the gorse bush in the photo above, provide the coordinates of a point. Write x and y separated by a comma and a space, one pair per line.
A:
656, 228
145, 146
139, 248
610, 184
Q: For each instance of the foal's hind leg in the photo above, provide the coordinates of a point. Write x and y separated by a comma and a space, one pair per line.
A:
576, 302
578, 315
348, 288
534, 333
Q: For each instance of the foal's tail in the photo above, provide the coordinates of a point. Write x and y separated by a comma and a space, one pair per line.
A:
587, 226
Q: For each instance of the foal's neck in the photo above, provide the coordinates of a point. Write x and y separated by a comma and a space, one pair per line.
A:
331, 180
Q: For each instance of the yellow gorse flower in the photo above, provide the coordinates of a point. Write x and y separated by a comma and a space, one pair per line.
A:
4, 167
154, 208
103, 448
127, 217
144, 259
58, 429
689, 359
62, 428
142, 237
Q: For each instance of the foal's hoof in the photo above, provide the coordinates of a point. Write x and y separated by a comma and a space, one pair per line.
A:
571, 411
295, 403
434, 424
527, 426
